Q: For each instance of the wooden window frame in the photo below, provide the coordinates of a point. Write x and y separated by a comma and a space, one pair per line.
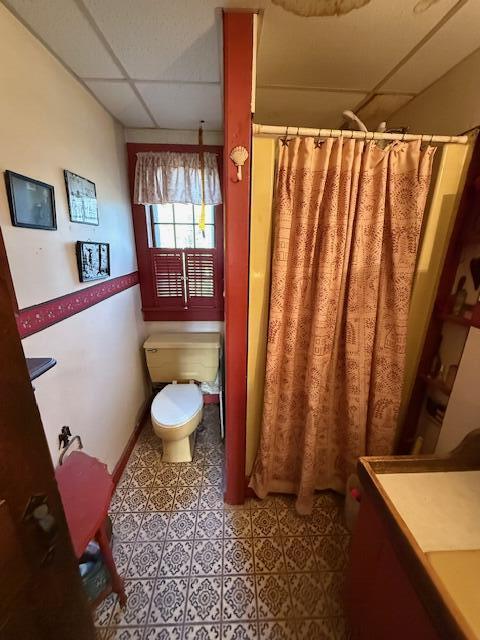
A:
152, 307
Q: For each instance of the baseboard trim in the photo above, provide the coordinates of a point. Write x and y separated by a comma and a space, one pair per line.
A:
127, 452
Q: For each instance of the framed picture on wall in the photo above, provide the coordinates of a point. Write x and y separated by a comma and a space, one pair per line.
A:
82, 199
32, 203
93, 260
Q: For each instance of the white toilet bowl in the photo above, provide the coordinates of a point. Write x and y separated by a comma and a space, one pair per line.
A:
176, 412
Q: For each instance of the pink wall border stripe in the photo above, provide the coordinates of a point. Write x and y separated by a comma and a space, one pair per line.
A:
34, 319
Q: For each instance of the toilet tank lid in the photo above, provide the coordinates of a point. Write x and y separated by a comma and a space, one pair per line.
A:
183, 341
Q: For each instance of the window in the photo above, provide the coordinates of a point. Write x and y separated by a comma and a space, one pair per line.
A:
180, 268
186, 269
175, 226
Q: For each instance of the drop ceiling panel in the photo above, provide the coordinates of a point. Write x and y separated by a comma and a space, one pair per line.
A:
161, 39
120, 99
354, 51
297, 108
61, 25
182, 106
454, 41
380, 107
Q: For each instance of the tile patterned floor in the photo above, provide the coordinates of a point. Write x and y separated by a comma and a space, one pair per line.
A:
197, 569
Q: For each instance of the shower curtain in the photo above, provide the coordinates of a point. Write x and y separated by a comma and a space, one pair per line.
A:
347, 220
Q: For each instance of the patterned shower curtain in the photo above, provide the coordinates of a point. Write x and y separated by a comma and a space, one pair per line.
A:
347, 221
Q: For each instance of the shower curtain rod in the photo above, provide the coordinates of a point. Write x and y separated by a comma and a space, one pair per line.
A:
270, 130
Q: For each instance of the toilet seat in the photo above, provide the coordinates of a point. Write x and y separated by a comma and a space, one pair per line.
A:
176, 404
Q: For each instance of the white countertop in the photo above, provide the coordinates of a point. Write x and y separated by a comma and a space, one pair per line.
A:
441, 509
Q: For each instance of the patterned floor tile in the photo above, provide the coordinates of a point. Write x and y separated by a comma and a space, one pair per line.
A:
142, 477
204, 597
167, 475
278, 630
264, 522
238, 556
176, 558
182, 525
202, 632
257, 503
334, 585
330, 552
121, 554
154, 526
121, 633
209, 524
139, 595
186, 498
239, 602
299, 554
213, 475
240, 631
163, 633
268, 555
161, 498
321, 522
291, 523
273, 597
207, 557
309, 599
237, 524
196, 568
135, 499
190, 476
126, 526
320, 629
211, 497
103, 612
168, 602
145, 560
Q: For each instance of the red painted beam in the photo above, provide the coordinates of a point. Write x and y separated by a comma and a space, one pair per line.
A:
238, 61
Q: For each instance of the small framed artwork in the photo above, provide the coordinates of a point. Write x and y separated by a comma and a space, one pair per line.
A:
32, 203
93, 260
82, 199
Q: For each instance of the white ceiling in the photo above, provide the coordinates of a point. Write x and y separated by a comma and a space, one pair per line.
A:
157, 63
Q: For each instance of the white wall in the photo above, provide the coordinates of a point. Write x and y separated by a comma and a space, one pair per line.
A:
49, 122
449, 106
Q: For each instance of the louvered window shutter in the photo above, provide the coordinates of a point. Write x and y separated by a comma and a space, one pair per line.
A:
168, 278
202, 278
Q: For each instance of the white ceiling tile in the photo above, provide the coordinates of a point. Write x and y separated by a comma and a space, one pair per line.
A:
454, 41
120, 99
182, 106
297, 108
380, 107
354, 51
162, 40
61, 25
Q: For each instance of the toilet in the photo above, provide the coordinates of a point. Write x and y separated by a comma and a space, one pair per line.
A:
182, 360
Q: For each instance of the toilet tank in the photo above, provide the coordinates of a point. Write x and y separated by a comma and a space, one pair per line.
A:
182, 356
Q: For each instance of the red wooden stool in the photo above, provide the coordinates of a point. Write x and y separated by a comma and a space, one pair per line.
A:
86, 489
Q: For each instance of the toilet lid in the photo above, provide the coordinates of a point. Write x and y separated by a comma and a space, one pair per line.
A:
176, 404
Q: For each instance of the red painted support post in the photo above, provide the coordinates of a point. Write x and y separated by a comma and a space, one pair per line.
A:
238, 61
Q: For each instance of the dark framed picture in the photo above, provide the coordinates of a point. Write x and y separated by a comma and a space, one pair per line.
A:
32, 203
82, 198
93, 260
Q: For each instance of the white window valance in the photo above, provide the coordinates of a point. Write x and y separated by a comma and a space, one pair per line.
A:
171, 177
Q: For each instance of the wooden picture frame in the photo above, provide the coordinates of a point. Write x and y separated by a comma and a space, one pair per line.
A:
82, 199
93, 260
32, 203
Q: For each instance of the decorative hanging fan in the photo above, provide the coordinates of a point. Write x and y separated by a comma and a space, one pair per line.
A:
311, 8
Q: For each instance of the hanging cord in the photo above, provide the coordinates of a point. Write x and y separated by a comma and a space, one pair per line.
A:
201, 222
